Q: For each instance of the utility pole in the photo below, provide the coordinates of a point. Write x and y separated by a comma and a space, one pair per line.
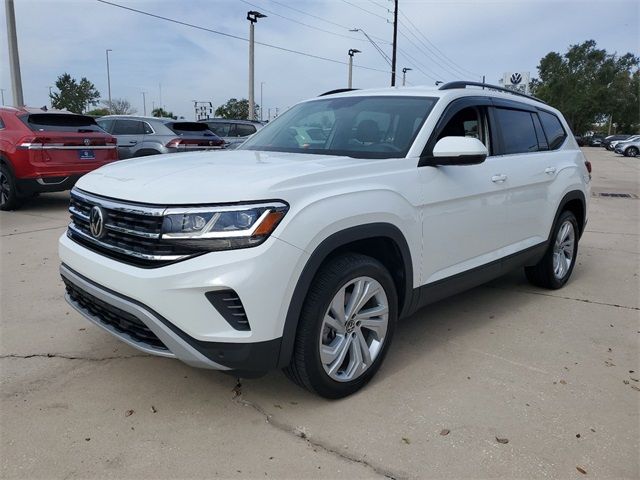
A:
261, 84
253, 17
144, 103
352, 52
404, 75
2, 93
14, 59
108, 77
395, 43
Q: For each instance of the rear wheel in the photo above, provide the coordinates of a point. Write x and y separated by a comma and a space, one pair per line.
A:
631, 152
346, 326
9, 199
555, 268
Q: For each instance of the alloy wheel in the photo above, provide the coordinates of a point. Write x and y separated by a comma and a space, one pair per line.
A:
5, 189
354, 329
563, 249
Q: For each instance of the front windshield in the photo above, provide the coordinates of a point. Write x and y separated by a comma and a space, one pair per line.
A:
363, 127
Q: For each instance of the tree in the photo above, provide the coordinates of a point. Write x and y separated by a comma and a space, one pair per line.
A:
236, 109
73, 96
162, 113
119, 106
98, 112
590, 86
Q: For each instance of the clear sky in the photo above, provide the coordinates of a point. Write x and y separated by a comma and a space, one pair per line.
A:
438, 39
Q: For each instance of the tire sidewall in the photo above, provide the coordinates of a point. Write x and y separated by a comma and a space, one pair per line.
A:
558, 283
631, 152
321, 381
13, 200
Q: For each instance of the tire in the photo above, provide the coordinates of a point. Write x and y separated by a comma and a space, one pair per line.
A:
631, 152
9, 199
343, 367
555, 268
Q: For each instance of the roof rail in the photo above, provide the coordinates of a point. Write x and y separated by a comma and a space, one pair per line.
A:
339, 90
465, 84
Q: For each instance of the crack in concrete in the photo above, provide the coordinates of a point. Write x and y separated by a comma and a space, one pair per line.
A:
298, 433
70, 357
584, 300
13, 234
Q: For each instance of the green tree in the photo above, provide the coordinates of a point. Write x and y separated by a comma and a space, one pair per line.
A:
590, 86
162, 113
73, 96
98, 112
119, 106
236, 109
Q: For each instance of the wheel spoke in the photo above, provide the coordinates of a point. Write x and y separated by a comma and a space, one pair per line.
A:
329, 353
337, 305
365, 294
377, 311
362, 343
342, 353
377, 326
334, 323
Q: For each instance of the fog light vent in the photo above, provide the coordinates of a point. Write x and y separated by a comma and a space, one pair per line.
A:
228, 304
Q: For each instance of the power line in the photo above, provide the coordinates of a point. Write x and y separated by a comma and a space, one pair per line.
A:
236, 37
365, 10
455, 65
418, 65
448, 73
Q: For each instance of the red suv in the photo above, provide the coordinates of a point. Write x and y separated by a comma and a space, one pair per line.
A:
46, 151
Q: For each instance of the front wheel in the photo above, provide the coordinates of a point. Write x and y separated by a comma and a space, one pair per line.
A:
555, 268
9, 199
631, 152
346, 326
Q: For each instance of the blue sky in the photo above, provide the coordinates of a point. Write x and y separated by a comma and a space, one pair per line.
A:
481, 37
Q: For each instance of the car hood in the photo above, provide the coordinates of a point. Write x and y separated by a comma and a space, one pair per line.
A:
215, 177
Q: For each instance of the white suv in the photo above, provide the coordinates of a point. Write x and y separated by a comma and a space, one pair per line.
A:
302, 249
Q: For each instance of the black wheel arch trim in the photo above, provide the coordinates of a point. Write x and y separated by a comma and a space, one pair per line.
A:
570, 196
320, 254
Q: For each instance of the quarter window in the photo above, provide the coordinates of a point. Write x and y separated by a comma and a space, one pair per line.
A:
243, 130
553, 129
518, 131
1, 123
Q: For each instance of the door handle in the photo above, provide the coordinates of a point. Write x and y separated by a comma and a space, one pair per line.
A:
133, 142
499, 178
550, 170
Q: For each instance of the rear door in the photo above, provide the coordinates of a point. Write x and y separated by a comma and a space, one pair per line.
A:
129, 133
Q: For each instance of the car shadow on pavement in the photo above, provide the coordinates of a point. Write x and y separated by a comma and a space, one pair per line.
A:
46, 203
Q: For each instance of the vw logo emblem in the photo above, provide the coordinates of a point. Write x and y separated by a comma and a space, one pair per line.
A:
87, 142
516, 78
96, 222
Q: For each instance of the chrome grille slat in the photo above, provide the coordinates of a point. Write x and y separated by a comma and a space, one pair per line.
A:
132, 232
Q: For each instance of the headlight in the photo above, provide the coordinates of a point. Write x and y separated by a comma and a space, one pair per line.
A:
223, 227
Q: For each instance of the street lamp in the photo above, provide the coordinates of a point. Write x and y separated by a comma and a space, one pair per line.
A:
144, 103
253, 17
352, 52
108, 77
261, 104
404, 75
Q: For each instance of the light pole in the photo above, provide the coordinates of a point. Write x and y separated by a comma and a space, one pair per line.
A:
144, 103
253, 17
404, 75
261, 104
50, 94
108, 77
352, 52
14, 59
2, 93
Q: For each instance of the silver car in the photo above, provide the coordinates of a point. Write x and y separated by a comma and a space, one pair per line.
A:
629, 148
233, 132
139, 136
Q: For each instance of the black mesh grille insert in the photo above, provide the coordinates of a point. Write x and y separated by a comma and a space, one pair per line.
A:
111, 316
229, 305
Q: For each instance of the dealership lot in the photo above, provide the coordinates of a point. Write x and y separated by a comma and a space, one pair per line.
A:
505, 380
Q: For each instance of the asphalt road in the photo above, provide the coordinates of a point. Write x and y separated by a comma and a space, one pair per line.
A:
553, 375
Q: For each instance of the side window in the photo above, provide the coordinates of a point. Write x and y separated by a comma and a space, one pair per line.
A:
106, 125
128, 127
468, 122
147, 128
243, 130
518, 131
219, 128
1, 123
553, 129
542, 139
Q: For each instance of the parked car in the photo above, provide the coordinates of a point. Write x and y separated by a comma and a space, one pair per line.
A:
143, 136
233, 132
580, 140
47, 151
612, 146
628, 148
596, 140
285, 255
606, 143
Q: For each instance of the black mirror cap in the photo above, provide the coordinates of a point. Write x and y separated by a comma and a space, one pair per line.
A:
431, 161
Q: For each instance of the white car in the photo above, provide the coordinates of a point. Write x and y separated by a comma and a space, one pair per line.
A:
304, 256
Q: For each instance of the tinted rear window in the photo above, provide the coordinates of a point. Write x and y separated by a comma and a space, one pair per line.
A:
553, 129
219, 128
518, 131
190, 128
60, 122
243, 130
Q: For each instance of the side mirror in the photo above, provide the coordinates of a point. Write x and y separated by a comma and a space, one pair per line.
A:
458, 151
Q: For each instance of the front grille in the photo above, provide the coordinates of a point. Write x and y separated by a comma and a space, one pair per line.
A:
121, 321
132, 232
